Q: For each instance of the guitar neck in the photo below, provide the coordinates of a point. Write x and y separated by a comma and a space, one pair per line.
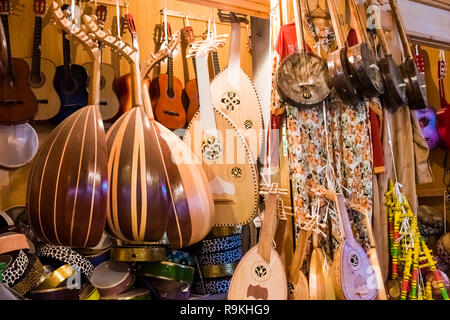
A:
36, 59
5, 23
170, 75
67, 58
185, 63
206, 107
215, 56
157, 69
234, 64
194, 63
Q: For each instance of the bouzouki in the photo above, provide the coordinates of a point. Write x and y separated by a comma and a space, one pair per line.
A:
70, 82
260, 274
18, 103
169, 109
443, 115
234, 93
166, 193
223, 152
68, 185
109, 103
42, 70
416, 88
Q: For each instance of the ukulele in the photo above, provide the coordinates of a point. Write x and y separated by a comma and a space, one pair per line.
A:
17, 102
190, 92
260, 274
69, 82
169, 109
165, 195
109, 103
443, 115
42, 71
223, 152
234, 93
68, 185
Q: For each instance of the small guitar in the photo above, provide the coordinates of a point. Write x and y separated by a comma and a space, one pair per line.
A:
42, 71
17, 102
190, 92
169, 109
109, 103
443, 116
260, 274
70, 82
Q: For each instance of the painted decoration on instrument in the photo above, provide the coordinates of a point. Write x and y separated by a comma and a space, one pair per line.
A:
427, 120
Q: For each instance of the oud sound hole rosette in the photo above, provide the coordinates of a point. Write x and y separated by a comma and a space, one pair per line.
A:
353, 261
211, 149
261, 271
230, 101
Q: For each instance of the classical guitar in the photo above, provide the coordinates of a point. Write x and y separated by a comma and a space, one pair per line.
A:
17, 102
109, 103
234, 93
42, 70
443, 115
169, 109
70, 81
190, 92
68, 185
223, 151
164, 195
260, 274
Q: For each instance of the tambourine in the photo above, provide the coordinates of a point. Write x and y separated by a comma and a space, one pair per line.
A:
62, 293
138, 254
16, 269
167, 271
112, 278
134, 294
31, 276
212, 286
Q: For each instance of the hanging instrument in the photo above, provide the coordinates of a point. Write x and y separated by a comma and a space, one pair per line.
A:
338, 65
416, 89
443, 115
302, 79
68, 185
42, 70
298, 282
234, 93
260, 274
223, 152
362, 61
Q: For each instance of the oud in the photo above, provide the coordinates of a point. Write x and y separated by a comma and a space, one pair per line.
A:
17, 101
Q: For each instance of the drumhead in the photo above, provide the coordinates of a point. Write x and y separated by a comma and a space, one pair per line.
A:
20, 144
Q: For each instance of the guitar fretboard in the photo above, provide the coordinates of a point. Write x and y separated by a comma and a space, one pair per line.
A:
170, 76
8, 43
67, 59
36, 60
216, 63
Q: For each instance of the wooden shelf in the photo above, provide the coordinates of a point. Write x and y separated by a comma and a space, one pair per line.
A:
429, 193
256, 8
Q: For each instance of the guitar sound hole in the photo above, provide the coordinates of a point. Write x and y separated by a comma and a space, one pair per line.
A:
69, 86
170, 113
37, 80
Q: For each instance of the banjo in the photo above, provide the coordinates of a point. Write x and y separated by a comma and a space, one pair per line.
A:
67, 190
302, 79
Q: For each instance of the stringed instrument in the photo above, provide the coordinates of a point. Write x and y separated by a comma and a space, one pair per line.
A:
340, 74
416, 88
70, 81
68, 184
298, 283
42, 70
3, 51
234, 93
167, 190
190, 92
442, 73
169, 109
223, 151
117, 30
109, 103
17, 102
443, 115
320, 278
260, 274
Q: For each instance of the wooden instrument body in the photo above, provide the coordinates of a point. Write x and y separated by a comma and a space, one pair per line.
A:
241, 105
415, 85
169, 109
17, 101
124, 92
395, 93
109, 103
317, 289
234, 181
255, 279
72, 91
193, 103
298, 283
42, 87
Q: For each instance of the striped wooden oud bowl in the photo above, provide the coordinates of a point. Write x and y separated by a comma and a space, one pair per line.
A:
67, 190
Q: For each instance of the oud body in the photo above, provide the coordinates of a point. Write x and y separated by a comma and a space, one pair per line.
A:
193, 103
169, 109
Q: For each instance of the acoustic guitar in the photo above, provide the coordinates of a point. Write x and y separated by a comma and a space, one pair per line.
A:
190, 92
17, 102
166, 193
42, 70
70, 81
260, 274
234, 93
109, 103
223, 152
169, 109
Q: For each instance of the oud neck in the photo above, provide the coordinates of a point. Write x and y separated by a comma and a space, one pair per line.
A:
206, 107
136, 83
170, 76
94, 86
36, 59
5, 23
215, 57
343, 216
234, 64
267, 230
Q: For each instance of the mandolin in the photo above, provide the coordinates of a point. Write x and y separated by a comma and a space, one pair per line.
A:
109, 103
223, 152
169, 109
17, 102
42, 70
68, 185
190, 91
70, 81
234, 93
153, 191
260, 274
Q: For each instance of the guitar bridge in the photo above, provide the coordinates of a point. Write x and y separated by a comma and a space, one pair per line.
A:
42, 101
170, 113
10, 102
